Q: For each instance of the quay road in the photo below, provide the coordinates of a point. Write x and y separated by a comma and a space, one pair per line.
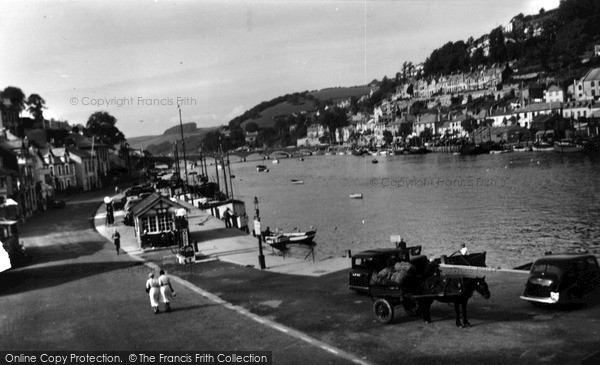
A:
79, 295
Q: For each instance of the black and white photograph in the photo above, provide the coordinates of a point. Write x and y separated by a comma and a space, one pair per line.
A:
372, 182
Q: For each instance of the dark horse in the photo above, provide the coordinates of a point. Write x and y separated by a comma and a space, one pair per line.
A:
455, 290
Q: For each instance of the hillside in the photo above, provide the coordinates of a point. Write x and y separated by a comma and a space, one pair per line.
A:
305, 102
163, 144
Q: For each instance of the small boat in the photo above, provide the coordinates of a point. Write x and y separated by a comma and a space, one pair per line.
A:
261, 168
521, 149
297, 182
567, 147
474, 259
300, 237
496, 152
375, 161
542, 147
275, 161
301, 159
356, 196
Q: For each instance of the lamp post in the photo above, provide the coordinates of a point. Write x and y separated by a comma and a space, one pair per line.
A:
258, 234
109, 210
182, 227
183, 147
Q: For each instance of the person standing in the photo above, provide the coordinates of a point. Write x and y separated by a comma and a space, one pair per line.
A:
166, 290
463, 249
153, 290
227, 218
116, 237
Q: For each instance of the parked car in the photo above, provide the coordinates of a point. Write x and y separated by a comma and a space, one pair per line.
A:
365, 263
562, 278
56, 204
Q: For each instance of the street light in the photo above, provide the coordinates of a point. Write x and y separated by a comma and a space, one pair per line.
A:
257, 233
182, 226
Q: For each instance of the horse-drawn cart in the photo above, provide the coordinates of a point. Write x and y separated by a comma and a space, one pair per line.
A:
417, 297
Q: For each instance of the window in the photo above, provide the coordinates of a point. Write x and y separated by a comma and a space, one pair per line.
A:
592, 84
149, 224
165, 222
67, 169
60, 170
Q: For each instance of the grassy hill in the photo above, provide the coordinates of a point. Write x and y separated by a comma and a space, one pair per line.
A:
299, 103
163, 144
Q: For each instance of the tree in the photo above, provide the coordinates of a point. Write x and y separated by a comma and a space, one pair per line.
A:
498, 52
36, 105
387, 137
12, 104
252, 127
103, 125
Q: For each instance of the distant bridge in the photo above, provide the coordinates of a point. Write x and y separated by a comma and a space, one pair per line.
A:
265, 154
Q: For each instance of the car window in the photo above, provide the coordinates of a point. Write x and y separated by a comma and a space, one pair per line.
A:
546, 269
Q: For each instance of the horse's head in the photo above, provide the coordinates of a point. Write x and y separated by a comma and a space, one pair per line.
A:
482, 288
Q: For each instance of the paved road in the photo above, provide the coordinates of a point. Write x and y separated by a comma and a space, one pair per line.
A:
79, 295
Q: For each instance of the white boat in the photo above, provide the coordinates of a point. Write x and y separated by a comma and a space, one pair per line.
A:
301, 237
275, 161
261, 168
297, 182
567, 147
356, 196
542, 147
520, 149
496, 152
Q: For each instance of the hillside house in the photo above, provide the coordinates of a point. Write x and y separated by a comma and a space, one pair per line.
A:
580, 109
588, 87
554, 94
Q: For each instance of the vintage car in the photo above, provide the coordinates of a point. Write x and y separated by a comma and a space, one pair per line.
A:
562, 278
365, 263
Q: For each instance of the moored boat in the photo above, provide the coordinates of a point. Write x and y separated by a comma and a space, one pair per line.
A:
356, 196
261, 168
567, 147
297, 181
300, 237
474, 259
521, 149
542, 147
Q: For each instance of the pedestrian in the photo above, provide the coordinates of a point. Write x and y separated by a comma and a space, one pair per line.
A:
117, 240
463, 249
227, 218
110, 218
153, 290
166, 290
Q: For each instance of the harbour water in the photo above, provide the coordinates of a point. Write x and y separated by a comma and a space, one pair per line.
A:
514, 206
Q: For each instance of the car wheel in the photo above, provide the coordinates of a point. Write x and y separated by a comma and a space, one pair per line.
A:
383, 311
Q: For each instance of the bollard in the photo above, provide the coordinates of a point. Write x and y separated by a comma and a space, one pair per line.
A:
349, 253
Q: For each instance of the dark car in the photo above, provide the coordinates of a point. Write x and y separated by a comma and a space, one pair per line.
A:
562, 278
365, 263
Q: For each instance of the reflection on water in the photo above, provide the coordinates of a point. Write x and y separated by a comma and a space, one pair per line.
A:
514, 206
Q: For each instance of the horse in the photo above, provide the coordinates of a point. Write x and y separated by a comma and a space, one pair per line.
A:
456, 290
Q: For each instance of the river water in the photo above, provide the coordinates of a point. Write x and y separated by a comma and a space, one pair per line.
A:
514, 206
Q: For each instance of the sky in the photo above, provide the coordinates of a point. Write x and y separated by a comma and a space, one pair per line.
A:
139, 60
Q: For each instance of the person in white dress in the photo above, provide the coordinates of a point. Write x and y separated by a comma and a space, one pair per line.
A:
463, 249
153, 290
166, 290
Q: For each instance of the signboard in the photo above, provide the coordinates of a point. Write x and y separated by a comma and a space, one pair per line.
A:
184, 238
257, 227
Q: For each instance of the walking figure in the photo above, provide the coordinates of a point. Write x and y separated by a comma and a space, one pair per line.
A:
116, 237
153, 290
166, 290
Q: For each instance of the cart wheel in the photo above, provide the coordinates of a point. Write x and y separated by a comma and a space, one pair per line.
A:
383, 310
411, 307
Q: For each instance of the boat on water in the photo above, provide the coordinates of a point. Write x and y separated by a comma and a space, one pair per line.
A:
283, 238
566, 146
356, 196
375, 161
474, 259
275, 161
496, 152
521, 149
297, 181
261, 168
542, 147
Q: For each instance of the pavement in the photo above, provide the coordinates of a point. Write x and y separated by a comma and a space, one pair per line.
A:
215, 242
